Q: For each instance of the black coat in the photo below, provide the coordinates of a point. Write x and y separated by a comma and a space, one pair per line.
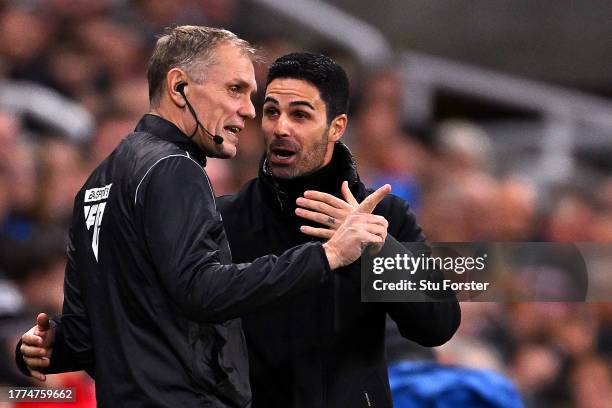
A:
323, 347
151, 298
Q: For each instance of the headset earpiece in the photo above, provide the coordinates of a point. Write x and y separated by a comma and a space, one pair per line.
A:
180, 88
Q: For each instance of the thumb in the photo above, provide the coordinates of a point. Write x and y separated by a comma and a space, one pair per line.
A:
348, 195
42, 322
371, 201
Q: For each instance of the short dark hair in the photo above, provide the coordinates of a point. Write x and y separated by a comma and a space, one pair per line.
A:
188, 48
319, 70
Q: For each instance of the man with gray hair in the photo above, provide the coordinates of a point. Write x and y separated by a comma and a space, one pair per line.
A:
151, 298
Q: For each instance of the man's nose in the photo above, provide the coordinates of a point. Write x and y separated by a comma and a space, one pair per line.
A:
281, 127
247, 110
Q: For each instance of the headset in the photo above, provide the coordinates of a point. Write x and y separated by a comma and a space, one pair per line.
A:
180, 88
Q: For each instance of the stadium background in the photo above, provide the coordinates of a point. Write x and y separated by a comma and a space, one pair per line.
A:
492, 118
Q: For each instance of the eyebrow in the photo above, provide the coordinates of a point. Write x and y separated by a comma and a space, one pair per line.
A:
244, 84
294, 103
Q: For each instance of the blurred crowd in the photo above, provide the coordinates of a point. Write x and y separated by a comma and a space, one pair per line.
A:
89, 57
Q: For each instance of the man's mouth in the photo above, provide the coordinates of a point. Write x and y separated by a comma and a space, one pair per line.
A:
282, 155
234, 130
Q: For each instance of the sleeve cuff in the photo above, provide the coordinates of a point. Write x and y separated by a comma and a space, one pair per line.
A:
325, 273
21, 365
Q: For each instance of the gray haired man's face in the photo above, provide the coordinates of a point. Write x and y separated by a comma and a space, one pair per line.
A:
223, 100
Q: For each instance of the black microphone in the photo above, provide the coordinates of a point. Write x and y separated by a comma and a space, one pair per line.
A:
180, 88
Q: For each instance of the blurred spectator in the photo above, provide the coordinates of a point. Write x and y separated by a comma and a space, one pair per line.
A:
515, 211
130, 98
384, 152
219, 13
25, 37
220, 174
23, 193
63, 174
117, 47
74, 10
604, 317
470, 352
10, 128
110, 133
74, 71
534, 370
37, 264
270, 48
460, 208
18, 179
570, 218
250, 153
5, 205
464, 146
591, 382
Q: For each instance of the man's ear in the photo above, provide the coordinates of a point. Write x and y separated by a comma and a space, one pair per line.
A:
174, 77
337, 128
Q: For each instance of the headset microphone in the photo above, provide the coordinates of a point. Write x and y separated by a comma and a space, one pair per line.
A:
180, 88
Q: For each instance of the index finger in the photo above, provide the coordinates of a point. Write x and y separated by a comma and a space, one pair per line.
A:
348, 195
371, 201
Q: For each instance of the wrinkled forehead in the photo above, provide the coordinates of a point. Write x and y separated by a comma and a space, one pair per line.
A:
232, 64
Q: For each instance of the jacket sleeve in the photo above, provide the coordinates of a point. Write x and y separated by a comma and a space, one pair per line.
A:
73, 347
183, 231
429, 324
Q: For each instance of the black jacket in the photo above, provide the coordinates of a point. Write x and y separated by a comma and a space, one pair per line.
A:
323, 347
150, 280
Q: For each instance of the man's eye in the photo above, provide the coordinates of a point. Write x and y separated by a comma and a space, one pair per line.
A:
234, 89
270, 111
300, 115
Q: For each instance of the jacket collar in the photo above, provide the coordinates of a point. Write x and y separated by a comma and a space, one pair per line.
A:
168, 131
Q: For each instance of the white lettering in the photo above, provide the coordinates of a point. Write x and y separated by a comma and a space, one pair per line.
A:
97, 194
377, 269
91, 215
472, 285
96, 233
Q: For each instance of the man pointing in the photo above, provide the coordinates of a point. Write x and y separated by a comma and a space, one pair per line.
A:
150, 294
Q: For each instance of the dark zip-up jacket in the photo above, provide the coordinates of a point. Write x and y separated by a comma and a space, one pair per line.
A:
151, 298
323, 347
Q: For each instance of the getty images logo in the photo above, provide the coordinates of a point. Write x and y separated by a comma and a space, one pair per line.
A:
95, 212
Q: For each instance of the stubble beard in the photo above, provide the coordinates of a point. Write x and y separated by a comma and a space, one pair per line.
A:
311, 161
